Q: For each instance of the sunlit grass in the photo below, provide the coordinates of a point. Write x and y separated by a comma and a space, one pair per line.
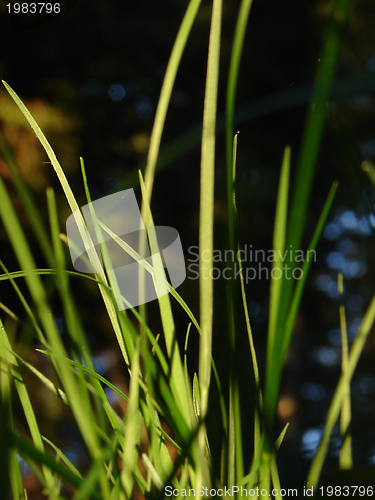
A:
160, 385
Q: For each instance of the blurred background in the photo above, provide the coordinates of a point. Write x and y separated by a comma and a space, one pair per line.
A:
91, 78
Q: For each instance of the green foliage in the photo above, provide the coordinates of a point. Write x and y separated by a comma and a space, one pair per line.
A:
160, 387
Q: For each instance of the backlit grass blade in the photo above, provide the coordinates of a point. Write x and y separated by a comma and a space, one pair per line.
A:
274, 472
159, 452
274, 363
315, 119
312, 137
133, 427
28, 450
81, 351
51, 386
345, 459
279, 237
206, 218
75, 210
29, 412
369, 168
124, 343
73, 384
63, 457
239, 36
258, 404
178, 385
233, 445
340, 394
10, 471
28, 309
165, 95
310, 253
27, 201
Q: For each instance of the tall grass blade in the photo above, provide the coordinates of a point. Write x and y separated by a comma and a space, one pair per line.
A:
340, 394
133, 427
10, 471
206, 218
75, 210
312, 136
305, 269
74, 384
165, 95
28, 411
315, 119
345, 459
275, 337
239, 36
178, 385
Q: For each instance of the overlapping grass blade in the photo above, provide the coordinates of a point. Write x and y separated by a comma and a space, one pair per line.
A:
133, 427
239, 36
75, 210
165, 95
305, 269
10, 471
29, 412
28, 203
177, 380
340, 394
311, 141
29, 451
74, 385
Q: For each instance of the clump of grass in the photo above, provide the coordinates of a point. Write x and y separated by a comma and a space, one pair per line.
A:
160, 386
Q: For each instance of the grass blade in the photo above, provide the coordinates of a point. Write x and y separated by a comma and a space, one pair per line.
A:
274, 363
206, 217
345, 459
340, 393
165, 96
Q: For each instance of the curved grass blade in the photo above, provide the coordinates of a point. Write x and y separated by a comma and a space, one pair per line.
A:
76, 211
27, 449
165, 96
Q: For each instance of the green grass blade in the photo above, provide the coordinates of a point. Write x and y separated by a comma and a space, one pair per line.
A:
311, 141
206, 216
275, 337
10, 471
133, 427
315, 120
239, 36
340, 393
28, 309
27, 202
63, 457
345, 459
76, 211
165, 95
305, 269
73, 384
279, 237
369, 168
27, 449
178, 385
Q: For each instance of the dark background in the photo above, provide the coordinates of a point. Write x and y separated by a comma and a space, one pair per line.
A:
92, 78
